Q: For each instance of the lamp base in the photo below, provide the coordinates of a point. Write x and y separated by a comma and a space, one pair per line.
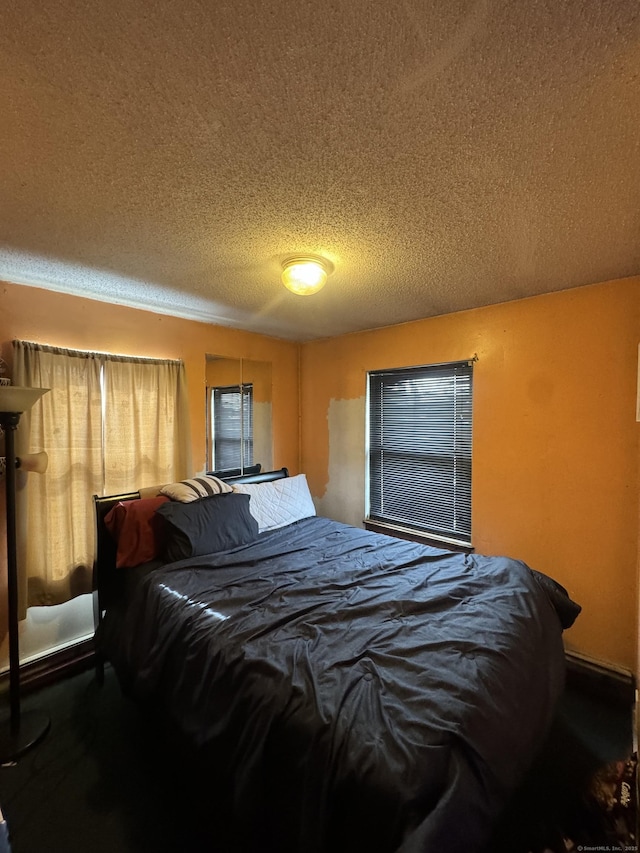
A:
15, 741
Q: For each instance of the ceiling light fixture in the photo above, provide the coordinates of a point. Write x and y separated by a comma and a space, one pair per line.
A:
305, 274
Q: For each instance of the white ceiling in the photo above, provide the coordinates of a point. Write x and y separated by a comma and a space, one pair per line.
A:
443, 154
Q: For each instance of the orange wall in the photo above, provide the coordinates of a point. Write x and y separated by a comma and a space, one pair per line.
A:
69, 321
555, 441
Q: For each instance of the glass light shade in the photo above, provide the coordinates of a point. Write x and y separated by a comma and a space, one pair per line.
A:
35, 462
305, 276
15, 399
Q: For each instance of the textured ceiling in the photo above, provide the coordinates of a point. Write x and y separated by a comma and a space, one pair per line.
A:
443, 154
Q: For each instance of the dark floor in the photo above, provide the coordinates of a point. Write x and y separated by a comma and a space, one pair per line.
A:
555, 808
105, 781
101, 781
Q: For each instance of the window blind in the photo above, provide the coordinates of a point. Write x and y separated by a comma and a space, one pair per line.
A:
232, 426
420, 424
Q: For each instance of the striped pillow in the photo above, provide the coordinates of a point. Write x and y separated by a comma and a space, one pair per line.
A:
198, 487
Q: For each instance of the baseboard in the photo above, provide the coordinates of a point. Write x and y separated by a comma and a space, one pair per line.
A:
48, 669
600, 679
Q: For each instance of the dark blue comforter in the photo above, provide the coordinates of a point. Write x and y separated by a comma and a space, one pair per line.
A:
358, 692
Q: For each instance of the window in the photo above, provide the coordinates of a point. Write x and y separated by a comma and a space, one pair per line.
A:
231, 438
420, 449
110, 424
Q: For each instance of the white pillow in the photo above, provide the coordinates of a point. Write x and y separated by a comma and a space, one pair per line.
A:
279, 502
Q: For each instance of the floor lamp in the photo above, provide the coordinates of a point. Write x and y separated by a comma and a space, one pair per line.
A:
20, 731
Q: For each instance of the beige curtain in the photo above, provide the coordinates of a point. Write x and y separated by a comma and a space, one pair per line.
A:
109, 424
146, 414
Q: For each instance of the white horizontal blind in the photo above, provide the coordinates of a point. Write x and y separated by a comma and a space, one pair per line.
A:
232, 426
420, 421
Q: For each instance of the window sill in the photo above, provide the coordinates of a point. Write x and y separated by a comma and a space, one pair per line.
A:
415, 536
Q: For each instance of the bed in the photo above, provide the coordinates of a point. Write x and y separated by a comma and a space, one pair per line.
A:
355, 691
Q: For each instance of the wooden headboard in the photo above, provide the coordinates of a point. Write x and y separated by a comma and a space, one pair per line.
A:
108, 582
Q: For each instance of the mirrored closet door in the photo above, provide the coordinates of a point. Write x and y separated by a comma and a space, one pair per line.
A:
238, 401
